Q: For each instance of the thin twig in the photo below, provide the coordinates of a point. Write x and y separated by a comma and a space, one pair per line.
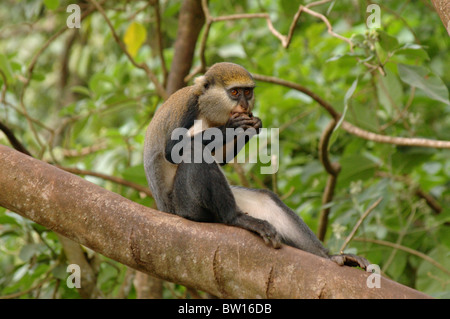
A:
404, 141
27, 81
361, 219
330, 28
241, 174
402, 112
285, 40
114, 179
406, 249
37, 286
350, 128
403, 231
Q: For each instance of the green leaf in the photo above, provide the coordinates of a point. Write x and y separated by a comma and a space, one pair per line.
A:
387, 42
347, 97
423, 79
60, 272
5, 220
80, 90
101, 83
232, 50
289, 6
135, 174
397, 267
6, 68
413, 50
435, 287
407, 158
51, 4
134, 37
358, 39
30, 250
356, 167
36, 76
390, 92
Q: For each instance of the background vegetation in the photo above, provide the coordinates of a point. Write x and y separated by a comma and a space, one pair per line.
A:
81, 99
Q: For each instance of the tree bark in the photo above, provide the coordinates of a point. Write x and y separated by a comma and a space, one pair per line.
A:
224, 261
443, 9
190, 23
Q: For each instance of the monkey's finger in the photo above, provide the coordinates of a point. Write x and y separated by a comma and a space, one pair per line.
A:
266, 240
363, 263
276, 242
350, 260
236, 115
353, 260
269, 234
257, 123
244, 124
274, 239
243, 120
338, 259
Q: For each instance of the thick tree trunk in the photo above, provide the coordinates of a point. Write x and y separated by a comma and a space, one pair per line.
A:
190, 23
224, 261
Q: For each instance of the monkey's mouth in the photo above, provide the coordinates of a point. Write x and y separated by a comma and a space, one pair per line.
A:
240, 111
245, 113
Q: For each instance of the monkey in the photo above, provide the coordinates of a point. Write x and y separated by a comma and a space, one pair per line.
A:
221, 99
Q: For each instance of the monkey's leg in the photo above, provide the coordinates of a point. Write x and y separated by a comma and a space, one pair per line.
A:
264, 204
201, 193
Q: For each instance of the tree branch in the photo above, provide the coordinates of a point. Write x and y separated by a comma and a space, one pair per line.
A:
350, 128
222, 260
285, 40
113, 179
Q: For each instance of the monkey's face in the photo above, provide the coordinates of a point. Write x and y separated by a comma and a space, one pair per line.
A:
217, 104
225, 90
243, 98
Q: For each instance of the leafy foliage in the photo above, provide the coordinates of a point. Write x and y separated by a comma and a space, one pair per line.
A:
83, 104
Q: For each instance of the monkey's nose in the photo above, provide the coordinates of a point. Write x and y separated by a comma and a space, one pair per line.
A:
239, 109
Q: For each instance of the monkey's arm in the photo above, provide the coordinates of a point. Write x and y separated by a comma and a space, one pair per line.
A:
224, 142
239, 129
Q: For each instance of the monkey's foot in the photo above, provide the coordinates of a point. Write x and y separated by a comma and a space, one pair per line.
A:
269, 234
259, 226
350, 260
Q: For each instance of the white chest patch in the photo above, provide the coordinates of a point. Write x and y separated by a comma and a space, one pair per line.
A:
199, 126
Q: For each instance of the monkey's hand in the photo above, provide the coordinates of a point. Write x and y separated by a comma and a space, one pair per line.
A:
350, 260
244, 121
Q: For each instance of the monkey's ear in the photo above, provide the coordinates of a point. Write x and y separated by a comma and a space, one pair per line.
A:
201, 83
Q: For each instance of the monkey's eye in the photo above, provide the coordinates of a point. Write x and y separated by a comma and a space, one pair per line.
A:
248, 93
234, 92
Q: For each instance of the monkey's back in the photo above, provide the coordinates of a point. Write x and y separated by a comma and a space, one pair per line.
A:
160, 172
